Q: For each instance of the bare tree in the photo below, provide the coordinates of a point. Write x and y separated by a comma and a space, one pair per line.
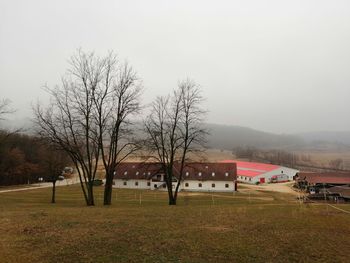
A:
5, 108
89, 117
69, 120
115, 101
54, 162
174, 129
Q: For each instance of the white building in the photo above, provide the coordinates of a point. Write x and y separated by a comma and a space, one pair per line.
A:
260, 173
206, 177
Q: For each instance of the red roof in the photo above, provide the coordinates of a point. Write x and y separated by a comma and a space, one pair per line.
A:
248, 173
262, 167
192, 171
252, 169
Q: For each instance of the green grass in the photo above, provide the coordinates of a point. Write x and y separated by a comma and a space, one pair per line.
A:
267, 227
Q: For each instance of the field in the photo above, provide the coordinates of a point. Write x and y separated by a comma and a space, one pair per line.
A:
322, 158
248, 226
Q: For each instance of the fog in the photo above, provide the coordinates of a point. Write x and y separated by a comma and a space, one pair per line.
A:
277, 66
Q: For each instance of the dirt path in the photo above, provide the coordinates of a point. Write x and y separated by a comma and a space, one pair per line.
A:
41, 185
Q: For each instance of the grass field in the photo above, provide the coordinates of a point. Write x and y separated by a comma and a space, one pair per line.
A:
140, 227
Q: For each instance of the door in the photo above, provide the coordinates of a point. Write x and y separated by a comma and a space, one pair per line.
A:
262, 180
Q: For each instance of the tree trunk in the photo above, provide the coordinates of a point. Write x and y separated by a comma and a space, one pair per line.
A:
107, 199
83, 184
172, 198
90, 200
53, 198
172, 201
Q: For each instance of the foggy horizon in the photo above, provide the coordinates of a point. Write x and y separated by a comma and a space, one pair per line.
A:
279, 67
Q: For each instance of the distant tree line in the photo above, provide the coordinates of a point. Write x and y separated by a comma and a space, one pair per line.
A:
272, 156
24, 159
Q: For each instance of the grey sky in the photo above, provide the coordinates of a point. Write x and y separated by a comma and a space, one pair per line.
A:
280, 66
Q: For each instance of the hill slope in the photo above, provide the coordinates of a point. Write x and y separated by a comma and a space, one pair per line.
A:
229, 137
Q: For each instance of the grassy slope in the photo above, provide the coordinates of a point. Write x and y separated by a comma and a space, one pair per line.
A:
270, 227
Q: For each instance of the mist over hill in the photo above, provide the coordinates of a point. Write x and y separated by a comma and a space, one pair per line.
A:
337, 137
25, 125
228, 137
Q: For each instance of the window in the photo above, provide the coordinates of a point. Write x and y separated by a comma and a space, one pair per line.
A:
148, 184
124, 183
250, 179
226, 185
200, 185
137, 173
199, 174
155, 186
187, 173
226, 174
213, 185
186, 184
213, 174
149, 173
136, 183
164, 185
126, 172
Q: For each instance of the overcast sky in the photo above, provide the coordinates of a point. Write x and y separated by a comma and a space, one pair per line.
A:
278, 66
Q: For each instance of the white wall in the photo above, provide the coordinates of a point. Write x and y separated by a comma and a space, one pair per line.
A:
245, 179
162, 186
130, 184
281, 170
193, 185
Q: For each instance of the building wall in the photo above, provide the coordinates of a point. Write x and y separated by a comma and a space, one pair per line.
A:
289, 172
282, 170
131, 184
245, 179
207, 186
162, 186
193, 185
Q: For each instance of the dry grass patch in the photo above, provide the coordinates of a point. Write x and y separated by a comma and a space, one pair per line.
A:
273, 228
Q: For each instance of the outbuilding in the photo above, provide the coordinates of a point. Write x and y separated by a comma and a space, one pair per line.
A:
313, 182
260, 173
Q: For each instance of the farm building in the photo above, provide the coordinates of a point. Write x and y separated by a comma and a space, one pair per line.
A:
208, 177
314, 181
259, 173
342, 193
